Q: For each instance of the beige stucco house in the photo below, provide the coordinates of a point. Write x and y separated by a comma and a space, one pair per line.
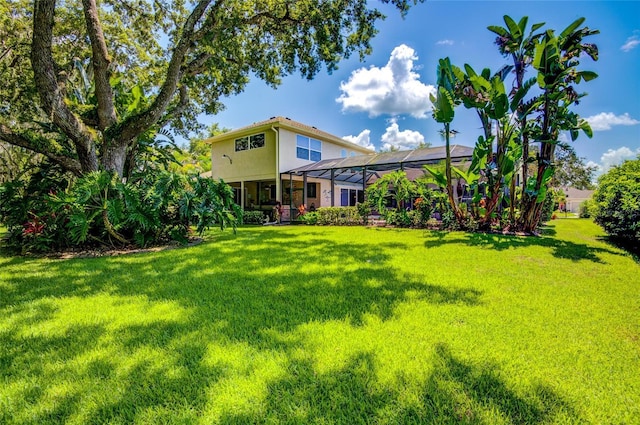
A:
575, 197
252, 160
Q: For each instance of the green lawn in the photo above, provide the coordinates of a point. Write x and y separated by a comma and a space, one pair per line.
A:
322, 325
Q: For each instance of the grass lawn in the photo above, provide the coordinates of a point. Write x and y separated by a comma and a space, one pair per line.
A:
322, 325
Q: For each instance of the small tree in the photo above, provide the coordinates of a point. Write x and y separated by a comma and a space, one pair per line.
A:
617, 201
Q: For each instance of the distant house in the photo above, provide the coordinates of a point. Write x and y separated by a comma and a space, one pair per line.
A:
282, 160
574, 197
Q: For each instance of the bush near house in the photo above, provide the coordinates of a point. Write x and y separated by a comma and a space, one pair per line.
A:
617, 201
345, 216
253, 217
586, 209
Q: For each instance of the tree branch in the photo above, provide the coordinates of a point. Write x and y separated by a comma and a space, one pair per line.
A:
180, 107
43, 148
101, 62
47, 86
136, 124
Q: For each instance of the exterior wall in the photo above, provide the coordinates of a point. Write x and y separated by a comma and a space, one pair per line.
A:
279, 155
576, 197
252, 164
289, 160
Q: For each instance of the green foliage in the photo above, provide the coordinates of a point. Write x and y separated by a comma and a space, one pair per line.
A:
253, 217
617, 201
26, 211
511, 118
571, 170
587, 209
310, 218
364, 210
393, 187
161, 65
99, 209
342, 216
549, 205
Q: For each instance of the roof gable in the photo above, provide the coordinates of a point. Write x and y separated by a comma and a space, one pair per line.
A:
289, 124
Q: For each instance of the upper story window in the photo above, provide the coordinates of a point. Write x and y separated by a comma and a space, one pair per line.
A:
250, 142
343, 153
309, 149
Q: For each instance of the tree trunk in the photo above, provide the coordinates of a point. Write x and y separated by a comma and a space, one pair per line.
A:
452, 201
114, 157
52, 91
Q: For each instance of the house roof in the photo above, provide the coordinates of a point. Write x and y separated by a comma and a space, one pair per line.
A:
287, 123
350, 169
574, 193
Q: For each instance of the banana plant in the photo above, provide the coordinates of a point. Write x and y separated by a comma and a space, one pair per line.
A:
444, 103
516, 42
486, 94
556, 58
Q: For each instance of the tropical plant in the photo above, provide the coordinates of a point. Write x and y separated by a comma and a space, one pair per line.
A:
393, 188
510, 118
556, 59
444, 103
100, 209
514, 41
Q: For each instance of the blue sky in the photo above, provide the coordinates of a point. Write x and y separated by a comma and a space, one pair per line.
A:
383, 101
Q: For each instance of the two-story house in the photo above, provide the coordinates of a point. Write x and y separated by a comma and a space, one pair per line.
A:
252, 160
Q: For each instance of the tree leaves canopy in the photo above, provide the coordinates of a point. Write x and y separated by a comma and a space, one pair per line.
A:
150, 64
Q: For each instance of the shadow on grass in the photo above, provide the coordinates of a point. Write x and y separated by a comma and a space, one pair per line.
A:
630, 246
456, 392
499, 242
250, 299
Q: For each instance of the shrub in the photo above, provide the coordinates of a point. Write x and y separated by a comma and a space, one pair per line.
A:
44, 214
586, 209
617, 201
310, 218
549, 206
364, 210
337, 216
253, 217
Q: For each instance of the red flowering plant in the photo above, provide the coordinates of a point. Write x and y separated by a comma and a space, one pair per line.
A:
34, 227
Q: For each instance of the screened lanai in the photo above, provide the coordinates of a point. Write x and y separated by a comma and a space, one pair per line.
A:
361, 170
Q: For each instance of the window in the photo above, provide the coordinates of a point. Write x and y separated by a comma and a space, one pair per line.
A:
242, 144
256, 141
250, 142
309, 149
343, 153
312, 191
351, 197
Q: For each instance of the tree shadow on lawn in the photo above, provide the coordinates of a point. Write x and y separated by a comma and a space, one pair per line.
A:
457, 392
630, 246
226, 296
499, 242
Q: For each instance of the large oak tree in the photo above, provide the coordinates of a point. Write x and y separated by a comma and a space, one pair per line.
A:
85, 79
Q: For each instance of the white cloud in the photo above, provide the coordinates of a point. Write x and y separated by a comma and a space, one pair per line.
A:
631, 43
615, 157
591, 164
606, 120
362, 139
444, 43
393, 89
402, 140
